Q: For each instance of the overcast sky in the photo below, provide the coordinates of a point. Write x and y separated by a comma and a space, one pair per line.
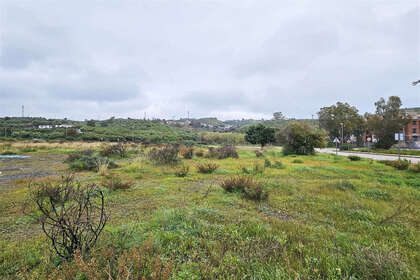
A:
223, 58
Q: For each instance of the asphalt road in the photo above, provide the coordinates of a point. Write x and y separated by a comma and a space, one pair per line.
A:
371, 156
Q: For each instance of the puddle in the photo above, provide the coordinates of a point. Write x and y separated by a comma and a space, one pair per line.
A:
14, 156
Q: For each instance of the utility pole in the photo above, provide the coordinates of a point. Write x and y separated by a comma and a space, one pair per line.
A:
23, 111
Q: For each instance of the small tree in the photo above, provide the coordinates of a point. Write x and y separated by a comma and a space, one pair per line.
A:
388, 119
260, 134
72, 216
302, 139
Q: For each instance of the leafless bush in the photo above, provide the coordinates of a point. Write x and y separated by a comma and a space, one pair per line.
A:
72, 215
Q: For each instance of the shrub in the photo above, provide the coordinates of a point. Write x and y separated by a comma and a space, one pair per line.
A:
78, 154
207, 167
114, 182
267, 163
182, 171
278, 165
114, 150
227, 151
199, 153
8, 153
245, 185
259, 153
187, 152
415, 167
72, 215
354, 158
398, 164
165, 155
222, 152
297, 161
91, 163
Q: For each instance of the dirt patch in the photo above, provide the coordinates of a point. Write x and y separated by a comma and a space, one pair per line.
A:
37, 166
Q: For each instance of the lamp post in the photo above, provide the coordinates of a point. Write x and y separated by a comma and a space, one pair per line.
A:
342, 133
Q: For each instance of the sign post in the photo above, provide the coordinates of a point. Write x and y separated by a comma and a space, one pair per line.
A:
336, 141
399, 137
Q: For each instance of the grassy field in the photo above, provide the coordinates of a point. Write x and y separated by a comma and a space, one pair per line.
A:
325, 217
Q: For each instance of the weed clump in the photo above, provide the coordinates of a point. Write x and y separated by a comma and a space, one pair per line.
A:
114, 150
398, 164
182, 171
344, 185
256, 169
187, 152
278, 165
199, 153
166, 155
376, 195
245, 185
415, 167
259, 153
114, 182
207, 167
297, 161
267, 163
354, 158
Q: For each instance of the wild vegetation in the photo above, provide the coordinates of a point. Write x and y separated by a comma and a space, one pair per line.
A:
326, 217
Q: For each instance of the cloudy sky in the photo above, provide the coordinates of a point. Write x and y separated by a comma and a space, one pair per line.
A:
223, 58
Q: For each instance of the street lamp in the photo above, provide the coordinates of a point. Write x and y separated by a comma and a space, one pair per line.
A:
342, 133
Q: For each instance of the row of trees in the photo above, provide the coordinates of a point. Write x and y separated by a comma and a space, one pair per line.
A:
337, 120
389, 118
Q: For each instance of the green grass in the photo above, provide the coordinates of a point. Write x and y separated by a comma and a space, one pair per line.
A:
392, 151
325, 218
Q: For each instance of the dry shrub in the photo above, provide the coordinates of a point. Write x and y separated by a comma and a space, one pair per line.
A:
375, 263
182, 171
207, 167
168, 154
187, 152
245, 185
398, 164
135, 263
415, 167
72, 215
259, 153
78, 154
114, 182
114, 150
227, 152
222, 152
199, 153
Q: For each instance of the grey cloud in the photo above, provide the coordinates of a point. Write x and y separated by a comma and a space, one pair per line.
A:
229, 58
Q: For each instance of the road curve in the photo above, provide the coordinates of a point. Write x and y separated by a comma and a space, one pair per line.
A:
371, 156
